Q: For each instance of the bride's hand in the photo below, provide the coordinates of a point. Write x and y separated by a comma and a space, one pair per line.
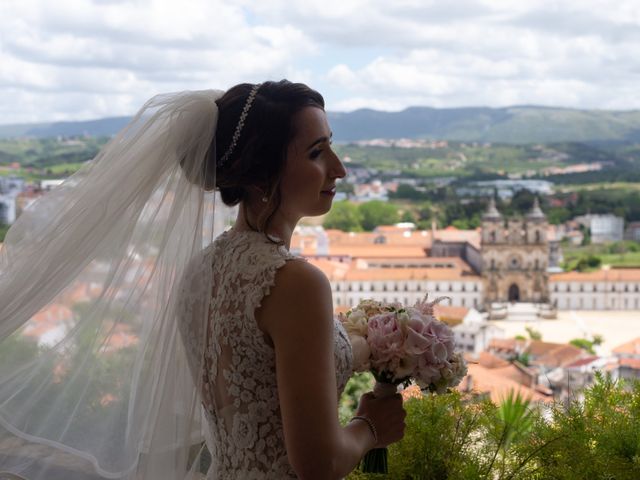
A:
387, 415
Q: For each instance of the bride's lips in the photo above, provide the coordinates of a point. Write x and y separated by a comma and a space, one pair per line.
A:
331, 192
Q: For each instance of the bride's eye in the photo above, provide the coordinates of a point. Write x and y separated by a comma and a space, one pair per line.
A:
315, 153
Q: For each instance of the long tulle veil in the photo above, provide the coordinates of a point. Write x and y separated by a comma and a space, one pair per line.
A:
95, 277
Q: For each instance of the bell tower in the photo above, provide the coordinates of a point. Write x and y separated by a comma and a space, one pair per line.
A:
515, 255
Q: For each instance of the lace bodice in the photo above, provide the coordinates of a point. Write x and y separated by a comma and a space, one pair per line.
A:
240, 399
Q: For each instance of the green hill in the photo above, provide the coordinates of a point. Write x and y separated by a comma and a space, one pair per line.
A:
513, 125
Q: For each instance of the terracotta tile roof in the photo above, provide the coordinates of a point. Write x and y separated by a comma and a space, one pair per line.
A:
394, 236
489, 360
409, 274
449, 314
516, 372
582, 362
609, 275
559, 356
633, 363
371, 251
391, 229
421, 238
485, 380
452, 234
629, 348
506, 344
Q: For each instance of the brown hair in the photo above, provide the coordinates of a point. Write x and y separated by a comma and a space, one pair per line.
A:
258, 158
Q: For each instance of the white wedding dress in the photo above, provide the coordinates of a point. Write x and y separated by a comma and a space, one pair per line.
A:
240, 398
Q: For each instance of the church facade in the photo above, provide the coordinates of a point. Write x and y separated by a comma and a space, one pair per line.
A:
515, 256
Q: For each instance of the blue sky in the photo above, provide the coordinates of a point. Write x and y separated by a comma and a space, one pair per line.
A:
85, 59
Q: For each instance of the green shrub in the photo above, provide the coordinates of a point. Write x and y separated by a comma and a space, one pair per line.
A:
458, 438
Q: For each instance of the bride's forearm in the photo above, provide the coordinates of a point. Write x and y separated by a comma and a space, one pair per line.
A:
356, 440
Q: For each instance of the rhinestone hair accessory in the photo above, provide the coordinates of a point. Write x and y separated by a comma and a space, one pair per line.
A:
243, 116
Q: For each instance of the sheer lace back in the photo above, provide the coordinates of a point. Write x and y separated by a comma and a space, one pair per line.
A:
240, 397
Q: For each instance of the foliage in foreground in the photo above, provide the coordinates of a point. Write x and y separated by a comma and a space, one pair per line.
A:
450, 437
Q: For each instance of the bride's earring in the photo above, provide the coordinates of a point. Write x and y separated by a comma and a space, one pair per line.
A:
265, 199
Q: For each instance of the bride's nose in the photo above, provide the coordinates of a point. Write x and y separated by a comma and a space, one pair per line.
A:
338, 170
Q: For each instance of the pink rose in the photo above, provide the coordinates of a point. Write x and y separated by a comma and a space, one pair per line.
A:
442, 342
418, 339
385, 339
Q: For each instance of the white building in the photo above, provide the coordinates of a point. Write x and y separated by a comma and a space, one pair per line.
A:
603, 228
474, 333
393, 264
606, 289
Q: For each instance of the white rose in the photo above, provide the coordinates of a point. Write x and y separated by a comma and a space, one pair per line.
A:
356, 323
361, 353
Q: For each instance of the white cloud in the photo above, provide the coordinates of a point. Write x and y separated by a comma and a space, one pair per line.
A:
74, 59
117, 54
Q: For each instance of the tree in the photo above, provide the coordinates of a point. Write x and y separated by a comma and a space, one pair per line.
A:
344, 216
584, 344
407, 216
533, 334
376, 212
587, 263
522, 201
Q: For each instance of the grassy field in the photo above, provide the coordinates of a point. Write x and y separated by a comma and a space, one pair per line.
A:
620, 254
629, 259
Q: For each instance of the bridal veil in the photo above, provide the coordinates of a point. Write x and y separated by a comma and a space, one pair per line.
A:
94, 379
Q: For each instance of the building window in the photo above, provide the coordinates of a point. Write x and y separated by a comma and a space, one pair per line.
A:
337, 287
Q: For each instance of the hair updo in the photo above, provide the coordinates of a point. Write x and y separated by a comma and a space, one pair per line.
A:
259, 156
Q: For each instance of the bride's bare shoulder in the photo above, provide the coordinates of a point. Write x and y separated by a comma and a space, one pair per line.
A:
300, 290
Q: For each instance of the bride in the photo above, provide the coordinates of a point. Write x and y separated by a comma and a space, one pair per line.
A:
230, 336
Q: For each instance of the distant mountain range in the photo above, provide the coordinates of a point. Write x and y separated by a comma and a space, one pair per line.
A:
517, 125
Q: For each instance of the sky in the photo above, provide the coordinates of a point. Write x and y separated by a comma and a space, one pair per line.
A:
87, 59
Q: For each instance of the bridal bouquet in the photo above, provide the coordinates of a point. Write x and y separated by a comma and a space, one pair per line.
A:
400, 344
